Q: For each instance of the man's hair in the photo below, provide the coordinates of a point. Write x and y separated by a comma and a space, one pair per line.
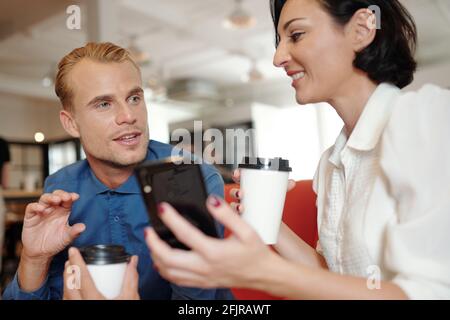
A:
100, 52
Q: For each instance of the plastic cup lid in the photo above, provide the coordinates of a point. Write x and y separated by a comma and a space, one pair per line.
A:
104, 254
274, 164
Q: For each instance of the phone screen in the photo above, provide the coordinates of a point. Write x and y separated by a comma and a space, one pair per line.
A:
182, 186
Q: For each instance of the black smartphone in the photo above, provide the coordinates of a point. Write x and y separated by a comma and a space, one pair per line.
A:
180, 184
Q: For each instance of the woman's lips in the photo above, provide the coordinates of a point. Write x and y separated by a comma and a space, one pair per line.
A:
296, 77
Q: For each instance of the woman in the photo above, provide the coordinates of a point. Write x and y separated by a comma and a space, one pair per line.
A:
382, 189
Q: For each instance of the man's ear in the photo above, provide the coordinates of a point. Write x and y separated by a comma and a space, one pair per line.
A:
362, 29
68, 123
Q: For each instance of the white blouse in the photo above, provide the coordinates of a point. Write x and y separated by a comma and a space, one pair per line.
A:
383, 195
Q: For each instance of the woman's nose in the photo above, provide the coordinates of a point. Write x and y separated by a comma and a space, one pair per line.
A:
281, 57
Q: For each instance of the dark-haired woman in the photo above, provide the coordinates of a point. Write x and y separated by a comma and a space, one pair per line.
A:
383, 189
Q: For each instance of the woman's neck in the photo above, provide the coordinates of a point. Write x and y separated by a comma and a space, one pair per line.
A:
351, 98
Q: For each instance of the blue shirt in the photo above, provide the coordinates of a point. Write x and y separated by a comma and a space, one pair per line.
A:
115, 217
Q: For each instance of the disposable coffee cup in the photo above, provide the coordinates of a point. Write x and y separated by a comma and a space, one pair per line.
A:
107, 265
264, 184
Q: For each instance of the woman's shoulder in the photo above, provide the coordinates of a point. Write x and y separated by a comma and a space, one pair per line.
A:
414, 150
422, 112
428, 99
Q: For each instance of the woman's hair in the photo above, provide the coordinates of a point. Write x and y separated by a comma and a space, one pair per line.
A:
390, 57
101, 52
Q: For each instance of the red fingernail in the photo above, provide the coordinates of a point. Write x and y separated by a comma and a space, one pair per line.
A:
160, 209
155, 267
214, 201
145, 233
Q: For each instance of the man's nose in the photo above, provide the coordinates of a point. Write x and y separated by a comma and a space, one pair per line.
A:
126, 114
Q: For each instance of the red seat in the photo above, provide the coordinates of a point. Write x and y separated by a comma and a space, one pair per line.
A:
299, 213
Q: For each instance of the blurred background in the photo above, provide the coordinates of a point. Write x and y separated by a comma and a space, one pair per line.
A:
208, 60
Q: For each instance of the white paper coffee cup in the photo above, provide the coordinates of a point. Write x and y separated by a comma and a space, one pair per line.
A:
107, 265
264, 184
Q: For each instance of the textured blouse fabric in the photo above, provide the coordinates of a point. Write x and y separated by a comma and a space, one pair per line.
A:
383, 194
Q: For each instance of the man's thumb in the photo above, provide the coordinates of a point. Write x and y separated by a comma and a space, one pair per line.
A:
75, 231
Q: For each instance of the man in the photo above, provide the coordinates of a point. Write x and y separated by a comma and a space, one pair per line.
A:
4, 160
100, 89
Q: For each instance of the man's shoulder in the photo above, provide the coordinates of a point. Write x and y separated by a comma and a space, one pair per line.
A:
69, 174
159, 149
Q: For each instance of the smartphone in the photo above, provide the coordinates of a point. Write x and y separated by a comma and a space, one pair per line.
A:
182, 186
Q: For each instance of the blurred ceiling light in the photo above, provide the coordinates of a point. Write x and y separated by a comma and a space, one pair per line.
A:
39, 137
48, 79
239, 18
47, 82
254, 74
140, 56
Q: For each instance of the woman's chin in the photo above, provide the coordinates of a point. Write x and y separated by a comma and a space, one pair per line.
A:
303, 98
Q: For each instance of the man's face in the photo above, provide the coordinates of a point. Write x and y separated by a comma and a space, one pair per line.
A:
109, 112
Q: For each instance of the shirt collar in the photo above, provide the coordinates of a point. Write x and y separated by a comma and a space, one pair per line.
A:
335, 157
131, 186
374, 118
370, 125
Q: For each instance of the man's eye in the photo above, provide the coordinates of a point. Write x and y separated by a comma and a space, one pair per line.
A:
103, 105
134, 99
296, 36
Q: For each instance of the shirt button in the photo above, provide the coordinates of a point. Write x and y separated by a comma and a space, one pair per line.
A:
116, 218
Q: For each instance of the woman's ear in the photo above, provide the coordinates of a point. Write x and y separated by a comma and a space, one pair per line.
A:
69, 124
362, 29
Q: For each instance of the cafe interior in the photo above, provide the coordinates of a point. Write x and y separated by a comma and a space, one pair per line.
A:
206, 64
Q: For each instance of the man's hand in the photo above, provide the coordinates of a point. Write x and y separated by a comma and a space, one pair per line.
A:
45, 233
87, 289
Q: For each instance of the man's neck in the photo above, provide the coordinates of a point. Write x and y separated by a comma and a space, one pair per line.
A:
110, 175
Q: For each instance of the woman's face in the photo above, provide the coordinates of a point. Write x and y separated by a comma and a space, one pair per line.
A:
314, 51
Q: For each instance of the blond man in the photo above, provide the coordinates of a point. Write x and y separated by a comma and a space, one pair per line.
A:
97, 200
